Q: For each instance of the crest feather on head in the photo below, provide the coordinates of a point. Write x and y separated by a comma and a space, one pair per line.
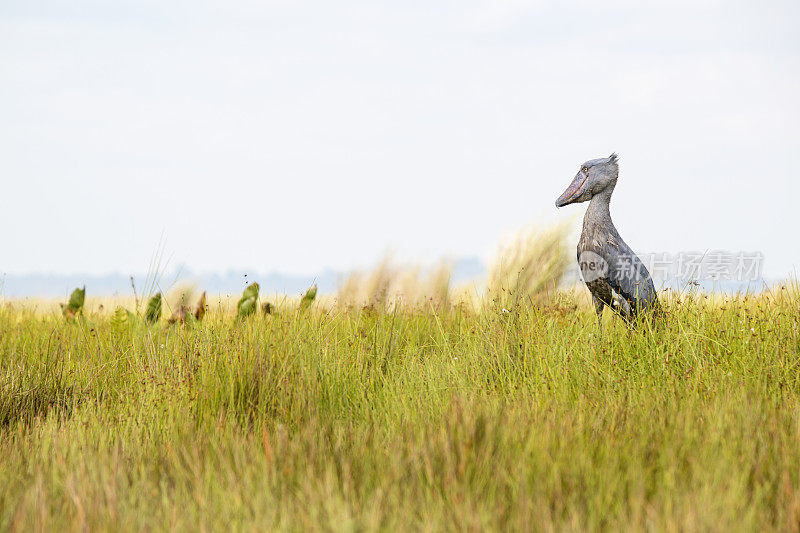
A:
613, 158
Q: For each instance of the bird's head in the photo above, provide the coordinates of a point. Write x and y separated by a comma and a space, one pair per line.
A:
594, 177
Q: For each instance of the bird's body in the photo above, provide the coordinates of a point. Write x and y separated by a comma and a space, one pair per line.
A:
614, 275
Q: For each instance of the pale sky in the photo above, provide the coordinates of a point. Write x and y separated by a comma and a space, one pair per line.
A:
295, 136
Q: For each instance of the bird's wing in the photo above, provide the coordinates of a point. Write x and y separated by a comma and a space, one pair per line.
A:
629, 277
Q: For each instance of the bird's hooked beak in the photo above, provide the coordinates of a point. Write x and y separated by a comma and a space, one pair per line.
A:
574, 191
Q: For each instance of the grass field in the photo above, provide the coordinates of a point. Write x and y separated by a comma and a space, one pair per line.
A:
428, 418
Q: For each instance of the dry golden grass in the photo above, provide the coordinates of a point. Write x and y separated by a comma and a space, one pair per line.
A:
529, 267
390, 285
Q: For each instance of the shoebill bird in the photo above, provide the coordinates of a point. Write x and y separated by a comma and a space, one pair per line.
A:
613, 273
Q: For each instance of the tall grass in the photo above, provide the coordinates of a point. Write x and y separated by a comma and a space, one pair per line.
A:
451, 418
396, 407
529, 268
390, 285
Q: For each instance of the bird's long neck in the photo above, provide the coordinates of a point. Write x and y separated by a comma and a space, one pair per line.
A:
598, 214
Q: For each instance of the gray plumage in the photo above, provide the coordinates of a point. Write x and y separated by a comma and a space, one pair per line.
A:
615, 276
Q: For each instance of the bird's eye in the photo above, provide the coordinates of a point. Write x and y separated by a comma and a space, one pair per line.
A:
586, 169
